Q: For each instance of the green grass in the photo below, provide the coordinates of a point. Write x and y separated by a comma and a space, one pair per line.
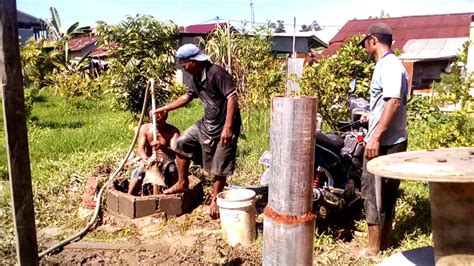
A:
67, 140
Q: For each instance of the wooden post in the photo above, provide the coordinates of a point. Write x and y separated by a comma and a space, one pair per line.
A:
14, 116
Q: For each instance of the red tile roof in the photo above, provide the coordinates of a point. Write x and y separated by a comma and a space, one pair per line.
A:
201, 28
79, 43
407, 28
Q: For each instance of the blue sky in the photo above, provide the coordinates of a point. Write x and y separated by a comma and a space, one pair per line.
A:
328, 13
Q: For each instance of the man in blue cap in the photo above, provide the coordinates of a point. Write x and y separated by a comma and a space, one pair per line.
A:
212, 141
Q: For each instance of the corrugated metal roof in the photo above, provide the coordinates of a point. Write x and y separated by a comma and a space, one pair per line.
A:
419, 49
79, 43
407, 28
305, 34
27, 19
201, 28
103, 50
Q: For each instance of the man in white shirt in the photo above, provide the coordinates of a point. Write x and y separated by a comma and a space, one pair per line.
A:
387, 133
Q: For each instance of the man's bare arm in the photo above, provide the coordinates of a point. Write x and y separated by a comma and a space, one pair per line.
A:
390, 111
142, 141
231, 108
183, 100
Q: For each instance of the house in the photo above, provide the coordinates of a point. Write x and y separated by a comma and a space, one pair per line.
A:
81, 45
282, 43
30, 27
427, 43
191, 33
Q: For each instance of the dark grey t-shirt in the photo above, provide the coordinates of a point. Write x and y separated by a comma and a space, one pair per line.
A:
212, 87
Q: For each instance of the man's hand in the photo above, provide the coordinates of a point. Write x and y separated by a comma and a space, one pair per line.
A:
214, 210
226, 136
161, 111
372, 148
365, 117
155, 145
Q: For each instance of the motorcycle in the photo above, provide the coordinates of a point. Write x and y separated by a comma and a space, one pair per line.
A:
337, 167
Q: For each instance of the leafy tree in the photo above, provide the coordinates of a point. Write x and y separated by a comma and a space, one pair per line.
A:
329, 80
217, 45
278, 27
38, 60
257, 75
314, 26
70, 83
454, 88
381, 15
141, 48
431, 128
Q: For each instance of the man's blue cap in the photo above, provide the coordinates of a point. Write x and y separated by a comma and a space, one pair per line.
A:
191, 52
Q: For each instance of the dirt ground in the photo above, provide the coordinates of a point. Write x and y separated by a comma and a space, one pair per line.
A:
190, 238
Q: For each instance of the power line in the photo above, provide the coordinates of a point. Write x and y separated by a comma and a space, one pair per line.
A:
265, 23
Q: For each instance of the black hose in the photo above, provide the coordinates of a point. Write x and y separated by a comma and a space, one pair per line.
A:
109, 183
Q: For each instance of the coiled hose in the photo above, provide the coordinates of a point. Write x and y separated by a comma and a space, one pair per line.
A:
83, 231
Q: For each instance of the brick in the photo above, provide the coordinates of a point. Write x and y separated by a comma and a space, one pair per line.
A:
171, 205
112, 200
126, 205
123, 204
193, 197
91, 190
180, 203
145, 206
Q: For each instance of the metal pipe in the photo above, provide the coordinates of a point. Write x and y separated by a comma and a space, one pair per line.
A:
288, 221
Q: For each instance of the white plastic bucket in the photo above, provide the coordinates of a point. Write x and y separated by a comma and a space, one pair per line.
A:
237, 212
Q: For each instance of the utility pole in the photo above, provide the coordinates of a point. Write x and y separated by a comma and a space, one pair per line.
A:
252, 14
14, 116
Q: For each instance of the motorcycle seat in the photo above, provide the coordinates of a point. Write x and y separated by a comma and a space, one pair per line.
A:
331, 142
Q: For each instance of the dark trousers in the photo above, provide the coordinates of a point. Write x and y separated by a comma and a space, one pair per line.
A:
389, 188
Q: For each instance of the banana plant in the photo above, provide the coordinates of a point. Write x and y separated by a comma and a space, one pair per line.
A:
62, 37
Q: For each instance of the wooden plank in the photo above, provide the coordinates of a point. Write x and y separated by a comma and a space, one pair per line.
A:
16, 136
106, 246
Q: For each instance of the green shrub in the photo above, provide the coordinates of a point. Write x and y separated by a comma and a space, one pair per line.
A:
69, 83
329, 80
38, 60
141, 48
431, 128
257, 75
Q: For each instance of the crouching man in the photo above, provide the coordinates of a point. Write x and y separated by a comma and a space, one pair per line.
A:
212, 141
157, 158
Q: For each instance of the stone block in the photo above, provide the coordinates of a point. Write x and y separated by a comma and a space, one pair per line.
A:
126, 205
180, 203
112, 200
123, 204
171, 205
145, 206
